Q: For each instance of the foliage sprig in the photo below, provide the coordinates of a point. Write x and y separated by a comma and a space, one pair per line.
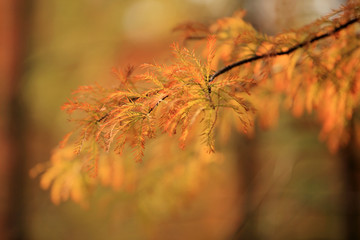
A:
299, 70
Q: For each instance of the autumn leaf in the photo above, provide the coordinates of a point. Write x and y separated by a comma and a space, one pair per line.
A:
236, 76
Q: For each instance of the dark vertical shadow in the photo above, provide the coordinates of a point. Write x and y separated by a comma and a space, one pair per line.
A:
14, 15
247, 170
350, 165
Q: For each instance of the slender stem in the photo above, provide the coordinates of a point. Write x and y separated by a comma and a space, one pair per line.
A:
257, 57
162, 99
290, 50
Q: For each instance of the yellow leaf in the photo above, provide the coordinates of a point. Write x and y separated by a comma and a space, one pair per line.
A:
104, 171
265, 48
50, 175
77, 190
117, 173
298, 105
211, 53
58, 192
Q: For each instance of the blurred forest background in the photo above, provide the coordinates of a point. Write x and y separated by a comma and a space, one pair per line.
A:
283, 184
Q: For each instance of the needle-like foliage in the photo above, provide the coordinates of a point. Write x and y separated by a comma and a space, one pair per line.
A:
240, 74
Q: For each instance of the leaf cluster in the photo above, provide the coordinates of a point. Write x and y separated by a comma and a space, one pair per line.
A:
237, 74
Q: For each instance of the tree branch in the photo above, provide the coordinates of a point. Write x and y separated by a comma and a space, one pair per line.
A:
290, 50
162, 99
257, 57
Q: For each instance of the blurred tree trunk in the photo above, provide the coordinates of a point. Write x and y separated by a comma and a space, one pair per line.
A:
247, 169
350, 160
13, 15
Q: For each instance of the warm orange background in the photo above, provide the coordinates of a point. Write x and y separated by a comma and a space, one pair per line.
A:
282, 182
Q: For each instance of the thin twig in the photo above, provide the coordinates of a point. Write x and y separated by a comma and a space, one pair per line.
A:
162, 99
290, 50
102, 118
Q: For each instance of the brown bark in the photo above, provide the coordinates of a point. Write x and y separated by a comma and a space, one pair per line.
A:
350, 162
247, 169
12, 46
